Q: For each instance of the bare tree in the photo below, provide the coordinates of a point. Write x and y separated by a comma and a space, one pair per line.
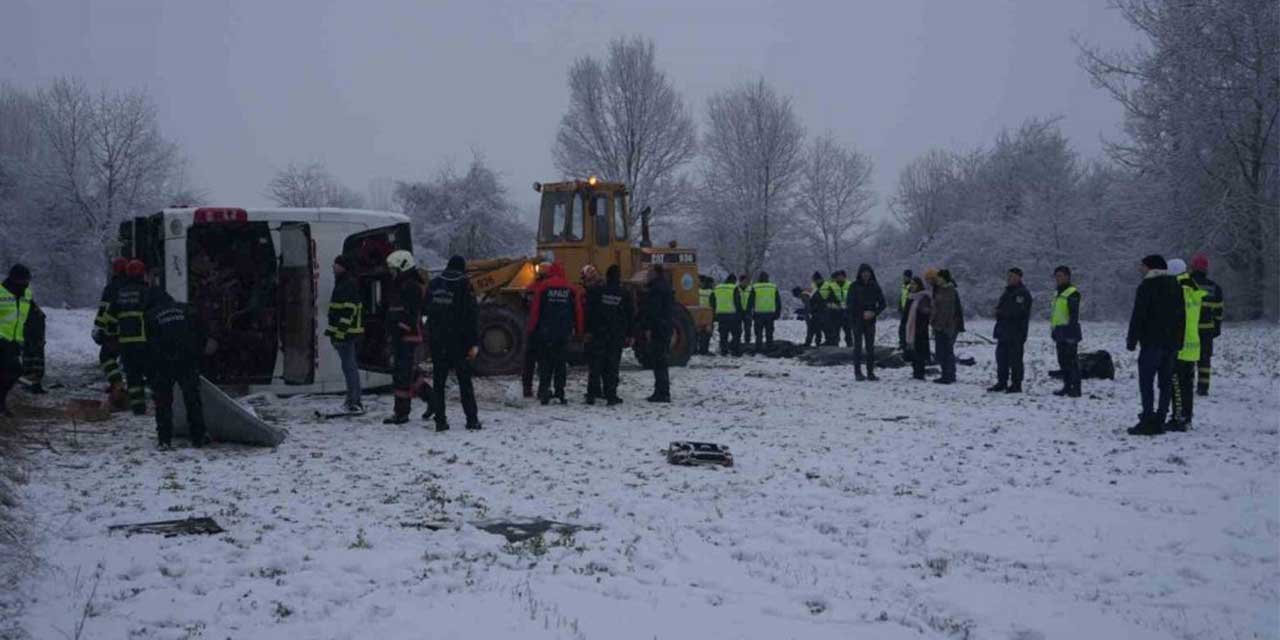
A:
754, 152
311, 185
626, 123
834, 198
926, 197
468, 214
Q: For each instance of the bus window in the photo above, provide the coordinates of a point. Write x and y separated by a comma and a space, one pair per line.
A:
297, 303
600, 218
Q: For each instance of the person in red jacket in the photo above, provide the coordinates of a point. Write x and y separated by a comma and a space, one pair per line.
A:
555, 315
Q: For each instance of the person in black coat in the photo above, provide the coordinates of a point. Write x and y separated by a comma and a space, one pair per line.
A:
1157, 325
404, 325
176, 341
865, 302
659, 308
610, 313
1013, 319
815, 313
128, 309
453, 339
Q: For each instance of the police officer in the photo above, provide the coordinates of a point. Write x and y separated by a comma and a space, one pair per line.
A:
1188, 358
833, 299
610, 313
176, 340
728, 309
346, 328
1013, 318
105, 334
746, 316
815, 313
766, 308
15, 307
128, 310
555, 316
451, 322
658, 309
1064, 323
1210, 319
404, 325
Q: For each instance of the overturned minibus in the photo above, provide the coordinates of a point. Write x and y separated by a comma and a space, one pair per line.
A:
261, 280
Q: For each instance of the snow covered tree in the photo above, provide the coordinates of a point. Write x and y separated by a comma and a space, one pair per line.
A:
468, 214
833, 200
311, 185
925, 200
626, 123
754, 154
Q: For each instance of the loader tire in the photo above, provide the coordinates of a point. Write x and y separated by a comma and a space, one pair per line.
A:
684, 335
502, 340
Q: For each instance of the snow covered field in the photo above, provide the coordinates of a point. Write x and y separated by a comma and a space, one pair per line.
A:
895, 509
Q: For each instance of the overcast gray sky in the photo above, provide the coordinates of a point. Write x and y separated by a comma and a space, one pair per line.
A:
398, 88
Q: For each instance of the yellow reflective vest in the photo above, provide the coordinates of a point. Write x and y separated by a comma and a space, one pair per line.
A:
765, 295
13, 314
1193, 298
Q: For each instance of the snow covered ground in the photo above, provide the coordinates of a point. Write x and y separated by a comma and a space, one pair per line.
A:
895, 509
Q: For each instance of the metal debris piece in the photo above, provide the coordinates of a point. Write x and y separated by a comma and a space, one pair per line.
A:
513, 529
170, 528
684, 452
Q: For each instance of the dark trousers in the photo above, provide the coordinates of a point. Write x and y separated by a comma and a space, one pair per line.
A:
846, 325
109, 361
764, 331
403, 360
33, 360
746, 329
704, 342
10, 369
530, 365
134, 358
944, 348
1009, 362
813, 332
164, 375
834, 325
1069, 363
605, 356
1184, 397
442, 362
552, 367
864, 344
920, 354
1206, 364
1155, 373
903, 345
659, 351
730, 336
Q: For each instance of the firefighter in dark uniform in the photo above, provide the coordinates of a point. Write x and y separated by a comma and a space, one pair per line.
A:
176, 340
105, 334
555, 316
610, 313
15, 307
728, 310
656, 321
1013, 320
1210, 319
451, 323
766, 307
404, 324
128, 309
531, 346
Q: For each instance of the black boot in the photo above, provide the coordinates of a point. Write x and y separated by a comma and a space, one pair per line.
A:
442, 425
1062, 392
998, 387
1147, 426
1016, 388
857, 372
400, 412
871, 374
473, 425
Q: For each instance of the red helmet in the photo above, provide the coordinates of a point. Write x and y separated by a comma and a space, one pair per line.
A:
135, 269
119, 265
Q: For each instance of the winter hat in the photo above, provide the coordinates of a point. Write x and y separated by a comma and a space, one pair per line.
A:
1177, 267
1200, 262
1063, 269
457, 263
1017, 271
1155, 261
732, 279
907, 274
764, 276
613, 274
20, 273
930, 273
817, 275
118, 266
945, 274
342, 260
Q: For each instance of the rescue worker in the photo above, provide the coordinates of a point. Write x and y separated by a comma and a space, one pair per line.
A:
346, 328
555, 316
33, 344
745, 324
707, 284
832, 295
904, 298
1158, 324
128, 309
455, 342
105, 335
815, 313
728, 310
1064, 324
531, 346
1013, 321
919, 307
947, 322
404, 326
766, 307
846, 320
656, 321
865, 302
176, 341
610, 313
1210, 319
1184, 368
15, 307
589, 278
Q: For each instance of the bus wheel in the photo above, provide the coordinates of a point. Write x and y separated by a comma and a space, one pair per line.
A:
502, 341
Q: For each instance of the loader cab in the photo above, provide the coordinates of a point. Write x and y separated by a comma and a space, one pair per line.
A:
585, 222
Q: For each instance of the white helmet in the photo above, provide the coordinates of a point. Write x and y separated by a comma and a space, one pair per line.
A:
1177, 267
400, 261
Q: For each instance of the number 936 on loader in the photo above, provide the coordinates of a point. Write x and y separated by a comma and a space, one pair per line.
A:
582, 222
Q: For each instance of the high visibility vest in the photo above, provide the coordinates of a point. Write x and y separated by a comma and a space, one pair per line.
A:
13, 314
1193, 299
830, 291
766, 297
345, 319
844, 293
1061, 312
904, 297
744, 296
725, 292
704, 297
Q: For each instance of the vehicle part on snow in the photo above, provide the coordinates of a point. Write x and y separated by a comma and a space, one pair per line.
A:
227, 420
684, 452
513, 529
170, 528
